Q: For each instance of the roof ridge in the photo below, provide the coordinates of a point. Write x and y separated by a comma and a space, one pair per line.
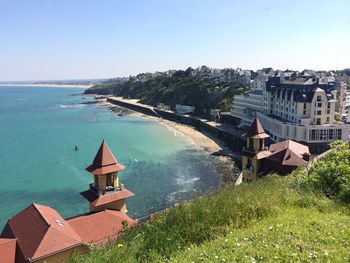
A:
35, 205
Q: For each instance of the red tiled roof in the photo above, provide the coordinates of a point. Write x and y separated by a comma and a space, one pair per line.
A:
40, 231
104, 161
100, 227
285, 156
295, 147
107, 198
256, 131
7, 250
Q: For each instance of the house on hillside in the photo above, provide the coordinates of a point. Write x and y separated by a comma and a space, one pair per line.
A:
258, 159
40, 234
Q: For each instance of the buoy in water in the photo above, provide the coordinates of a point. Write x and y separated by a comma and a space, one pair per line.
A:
76, 147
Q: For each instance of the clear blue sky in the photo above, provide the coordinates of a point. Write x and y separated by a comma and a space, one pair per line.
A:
73, 39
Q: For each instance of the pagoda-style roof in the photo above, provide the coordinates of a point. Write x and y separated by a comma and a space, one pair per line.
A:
104, 162
256, 131
114, 196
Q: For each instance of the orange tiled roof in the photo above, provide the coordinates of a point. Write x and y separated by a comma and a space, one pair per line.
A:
40, 231
100, 227
107, 198
104, 161
7, 250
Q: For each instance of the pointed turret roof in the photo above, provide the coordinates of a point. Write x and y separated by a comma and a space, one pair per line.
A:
104, 162
256, 131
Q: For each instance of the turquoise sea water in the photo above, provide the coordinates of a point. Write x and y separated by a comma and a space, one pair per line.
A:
39, 128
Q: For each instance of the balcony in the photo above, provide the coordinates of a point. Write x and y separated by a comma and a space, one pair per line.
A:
108, 189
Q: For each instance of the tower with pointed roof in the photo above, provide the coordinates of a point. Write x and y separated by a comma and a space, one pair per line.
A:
106, 192
254, 151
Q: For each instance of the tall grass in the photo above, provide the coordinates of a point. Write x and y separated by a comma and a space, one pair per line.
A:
206, 218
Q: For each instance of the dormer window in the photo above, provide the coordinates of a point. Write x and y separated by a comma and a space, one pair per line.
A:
319, 98
59, 222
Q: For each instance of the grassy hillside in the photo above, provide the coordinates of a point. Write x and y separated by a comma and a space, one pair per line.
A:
180, 88
269, 220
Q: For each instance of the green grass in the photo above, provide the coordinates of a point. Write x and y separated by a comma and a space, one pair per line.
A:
260, 221
297, 235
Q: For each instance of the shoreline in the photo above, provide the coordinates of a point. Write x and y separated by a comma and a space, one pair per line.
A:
47, 85
227, 165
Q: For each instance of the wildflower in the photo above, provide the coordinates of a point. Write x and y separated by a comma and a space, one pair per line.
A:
120, 245
226, 240
313, 254
326, 253
216, 257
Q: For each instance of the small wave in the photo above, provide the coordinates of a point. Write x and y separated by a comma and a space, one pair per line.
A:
72, 106
186, 182
177, 133
21, 99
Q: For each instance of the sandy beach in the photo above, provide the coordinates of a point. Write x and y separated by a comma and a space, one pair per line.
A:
227, 166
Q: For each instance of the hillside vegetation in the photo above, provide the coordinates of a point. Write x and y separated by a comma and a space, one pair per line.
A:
180, 88
275, 219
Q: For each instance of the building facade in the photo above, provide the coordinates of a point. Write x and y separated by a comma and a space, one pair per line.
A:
301, 109
281, 157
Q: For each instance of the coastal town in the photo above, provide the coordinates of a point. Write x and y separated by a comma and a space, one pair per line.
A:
174, 131
281, 121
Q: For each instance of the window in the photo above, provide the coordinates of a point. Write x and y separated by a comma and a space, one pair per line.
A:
249, 164
328, 112
327, 120
319, 112
339, 134
59, 222
250, 145
109, 179
304, 105
319, 98
328, 105
319, 104
313, 135
318, 121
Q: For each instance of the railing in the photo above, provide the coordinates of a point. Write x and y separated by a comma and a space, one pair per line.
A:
108, 190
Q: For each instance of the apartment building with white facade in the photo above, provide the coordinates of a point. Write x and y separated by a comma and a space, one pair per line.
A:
301, 109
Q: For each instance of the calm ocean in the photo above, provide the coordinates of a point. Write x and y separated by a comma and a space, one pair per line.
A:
39, 128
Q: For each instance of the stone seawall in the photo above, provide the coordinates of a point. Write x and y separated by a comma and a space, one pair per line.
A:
234, 141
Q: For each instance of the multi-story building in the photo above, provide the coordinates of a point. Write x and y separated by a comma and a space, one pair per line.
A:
301, 109
243, 77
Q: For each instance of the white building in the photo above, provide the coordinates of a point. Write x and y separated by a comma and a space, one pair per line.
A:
184, 109
302, 110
